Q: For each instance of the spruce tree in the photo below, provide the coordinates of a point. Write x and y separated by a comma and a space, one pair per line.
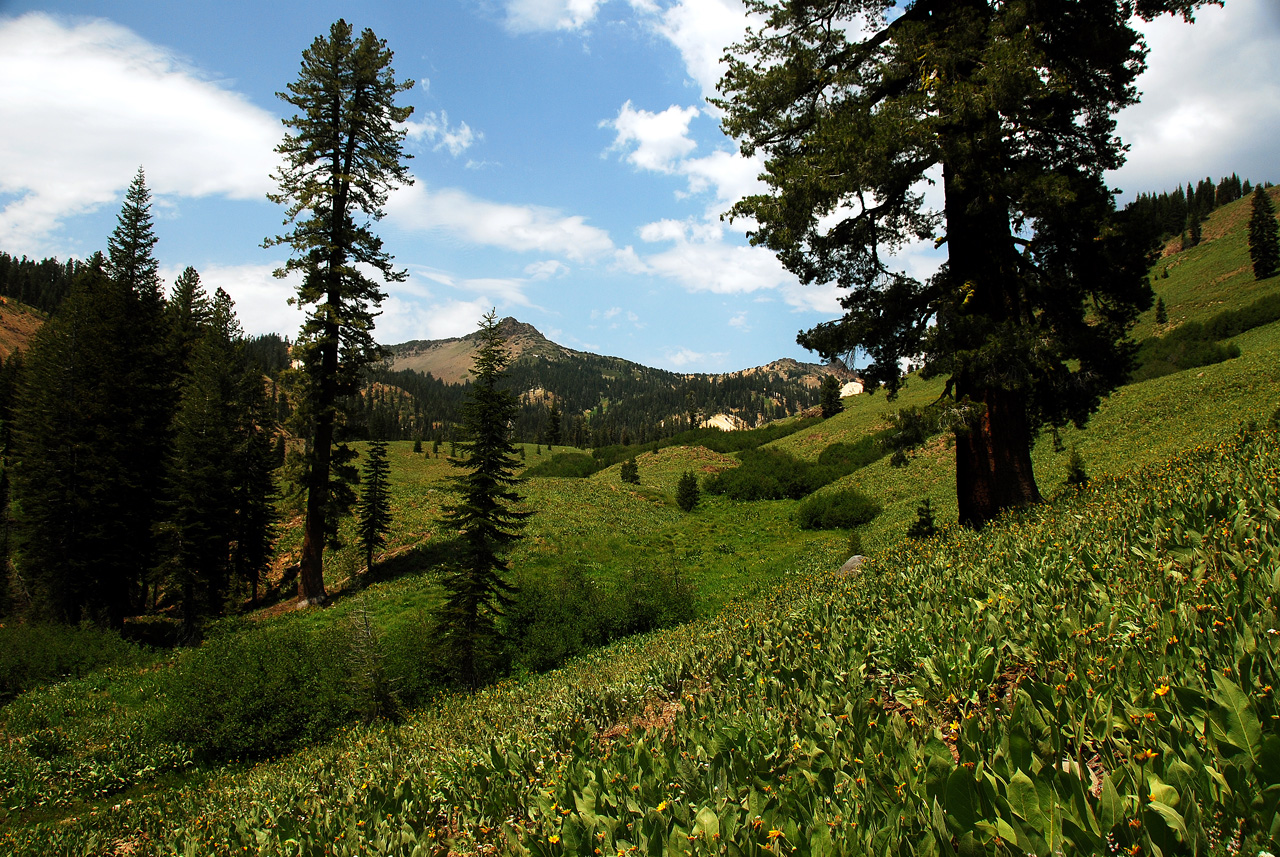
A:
374, 516
485, 517
831, 403
150, 396
340, 161
630, 471
687, 495
1264, 245
1162, 314
200, 526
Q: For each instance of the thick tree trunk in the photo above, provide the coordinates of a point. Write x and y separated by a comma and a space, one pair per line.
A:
993, 460
311, 567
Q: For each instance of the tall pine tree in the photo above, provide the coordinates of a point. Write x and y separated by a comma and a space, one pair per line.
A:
340, 161
1264, 246
485, 517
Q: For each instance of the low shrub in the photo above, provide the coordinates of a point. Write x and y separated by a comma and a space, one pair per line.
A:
770, 474
566, 613
570, 465
836, 510
35, 655
260, 692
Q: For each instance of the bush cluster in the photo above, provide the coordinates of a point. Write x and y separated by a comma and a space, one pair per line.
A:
836, 510
565, 613
261, 692
36, 655
1195, 344
572, 465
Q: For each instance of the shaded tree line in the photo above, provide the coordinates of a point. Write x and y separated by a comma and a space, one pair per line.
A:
1183, 210
138, 445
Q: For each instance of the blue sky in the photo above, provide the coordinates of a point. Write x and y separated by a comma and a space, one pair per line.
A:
569, 170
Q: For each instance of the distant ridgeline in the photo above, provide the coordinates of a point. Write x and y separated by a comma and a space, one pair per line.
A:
41, 284
599, 401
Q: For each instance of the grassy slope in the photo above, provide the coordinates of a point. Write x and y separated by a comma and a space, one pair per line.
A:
732, 550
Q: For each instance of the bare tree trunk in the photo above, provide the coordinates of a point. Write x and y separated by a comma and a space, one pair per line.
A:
993, 461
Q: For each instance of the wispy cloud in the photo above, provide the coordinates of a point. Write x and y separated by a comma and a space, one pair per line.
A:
523, 228
84, 103
434, 130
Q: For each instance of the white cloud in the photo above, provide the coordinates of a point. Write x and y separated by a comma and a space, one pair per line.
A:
686, 356
546, 269
701, 260
84, 103
262, 301
523, 228
740, 322
660, 139
532, 15
434, 129
404, 320
701, 30
1210, 99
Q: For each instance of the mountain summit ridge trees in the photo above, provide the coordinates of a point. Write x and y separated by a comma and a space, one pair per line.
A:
1011, 106
342, 159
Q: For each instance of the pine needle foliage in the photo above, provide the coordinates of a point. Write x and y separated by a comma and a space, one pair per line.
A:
485, 517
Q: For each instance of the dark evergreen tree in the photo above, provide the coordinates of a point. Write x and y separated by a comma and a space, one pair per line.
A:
1030, 315
1162, 314
630, 471
554, 418
485, 517
151, 397
253, 469
923, 526
831, 403
341, 159
1264, 246
75, 456
687, 494
200, 524
374, 517
188, 313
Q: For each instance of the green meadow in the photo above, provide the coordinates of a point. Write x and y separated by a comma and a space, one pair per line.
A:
1094, 675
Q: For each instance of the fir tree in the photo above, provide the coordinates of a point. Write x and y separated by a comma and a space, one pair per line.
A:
202, 502
340, 161
923, 526
1264, 245
374, 517
1162, 314
630, 471
687, 494
831, 403
485, 517
151, 395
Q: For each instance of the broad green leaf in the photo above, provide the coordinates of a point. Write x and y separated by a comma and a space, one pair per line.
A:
1235, 719
1024, 802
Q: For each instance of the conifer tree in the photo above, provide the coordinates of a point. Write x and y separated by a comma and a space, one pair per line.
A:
201, 521
150, 397
485, 517
254, 484
831, 403
630, 471
853, 103
1162, 314
341, 159
1264, 245
687, 494
554, 418
375, 502
75, 476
